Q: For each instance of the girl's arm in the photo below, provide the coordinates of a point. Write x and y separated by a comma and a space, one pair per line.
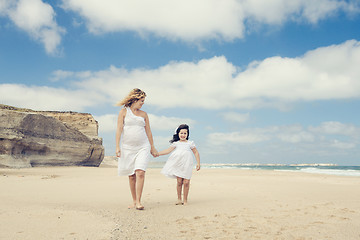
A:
197, 156
154, 152
166, 151
119, 129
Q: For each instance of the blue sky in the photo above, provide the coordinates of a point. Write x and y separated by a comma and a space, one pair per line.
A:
257, 81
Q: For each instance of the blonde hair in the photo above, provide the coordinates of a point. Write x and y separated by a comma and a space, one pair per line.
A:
132, 97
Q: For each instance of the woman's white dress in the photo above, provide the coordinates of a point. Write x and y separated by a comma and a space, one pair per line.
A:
135, 146
180, 162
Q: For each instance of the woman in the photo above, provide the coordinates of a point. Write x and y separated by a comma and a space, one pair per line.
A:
136, 143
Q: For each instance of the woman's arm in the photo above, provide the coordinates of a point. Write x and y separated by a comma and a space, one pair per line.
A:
119, 129
154, 152
166, 151
197, 156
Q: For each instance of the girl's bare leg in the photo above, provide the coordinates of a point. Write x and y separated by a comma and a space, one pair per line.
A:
132, 183
186, 190
140, 178
179, 189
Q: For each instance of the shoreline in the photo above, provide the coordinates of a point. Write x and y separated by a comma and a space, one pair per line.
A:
111, 160
313, 168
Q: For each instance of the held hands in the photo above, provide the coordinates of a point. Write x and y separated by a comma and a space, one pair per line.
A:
154, 152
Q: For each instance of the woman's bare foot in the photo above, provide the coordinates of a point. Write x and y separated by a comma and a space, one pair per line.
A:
132, 206
179, 202
139, 207
185, 203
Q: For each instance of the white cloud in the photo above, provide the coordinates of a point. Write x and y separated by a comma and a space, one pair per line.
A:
168, 123
342, 145
37, 19
336, 128
174, 20
47, 98
186, 20
236, 117
203, 19
296, 137
162, 143
108, 122
176, 84
279, 11
294, 134
60, 74
326, 73
246, 137
322, 74
3, 6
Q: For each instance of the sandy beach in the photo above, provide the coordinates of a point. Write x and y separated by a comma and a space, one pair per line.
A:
91, 203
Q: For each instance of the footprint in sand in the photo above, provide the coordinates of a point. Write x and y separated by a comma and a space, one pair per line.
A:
318, 222
182, 221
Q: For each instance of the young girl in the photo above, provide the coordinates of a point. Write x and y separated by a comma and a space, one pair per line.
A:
180, 162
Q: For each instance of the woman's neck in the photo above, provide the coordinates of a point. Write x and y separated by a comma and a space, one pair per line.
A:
134, 109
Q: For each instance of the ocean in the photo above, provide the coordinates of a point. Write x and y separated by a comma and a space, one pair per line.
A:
329, 169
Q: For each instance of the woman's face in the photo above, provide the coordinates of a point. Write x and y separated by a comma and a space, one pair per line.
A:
183, 134
138, 104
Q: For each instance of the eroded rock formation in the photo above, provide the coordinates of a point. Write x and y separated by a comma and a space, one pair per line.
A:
39, 138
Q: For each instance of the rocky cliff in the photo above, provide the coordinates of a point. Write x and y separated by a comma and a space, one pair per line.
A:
42, 138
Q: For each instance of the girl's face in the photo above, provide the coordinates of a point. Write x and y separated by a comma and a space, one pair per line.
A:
183, 134
138, 104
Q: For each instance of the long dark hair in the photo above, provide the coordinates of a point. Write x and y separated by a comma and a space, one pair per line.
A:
176, 135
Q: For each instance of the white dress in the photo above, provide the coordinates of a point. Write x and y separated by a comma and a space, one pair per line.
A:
135, 146
180, 162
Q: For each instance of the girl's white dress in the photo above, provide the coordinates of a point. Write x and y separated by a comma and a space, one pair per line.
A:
180, 162
135, 146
